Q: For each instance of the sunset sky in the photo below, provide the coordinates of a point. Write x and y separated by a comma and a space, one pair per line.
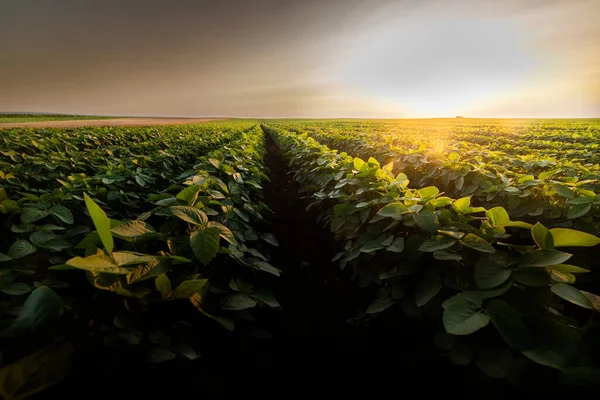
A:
303, 58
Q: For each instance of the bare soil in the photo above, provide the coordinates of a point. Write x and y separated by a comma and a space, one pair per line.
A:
107, 122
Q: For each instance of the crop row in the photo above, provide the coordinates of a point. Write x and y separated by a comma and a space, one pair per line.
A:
502, 290
547, 184
200, 235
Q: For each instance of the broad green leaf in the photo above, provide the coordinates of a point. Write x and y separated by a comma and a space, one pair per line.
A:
518, 224
189, 194
437, 242
544, 258
563, 191
226, 323
546, 357
30, 215
133, 229
266, 267
461, 204
579, 210
372, 245
464, 318
237, 301
56, 244
393, 210
542, 237
15, 289
39, 237
566, 268
98, 263
572, 295
20, 249
497, 216
186, 289
564, 237
123, 258
380, 304
475, 242
101, 222
189, 214
469, 296
594, 299
149, 270
534, 277
62, 213
427, 220
509, 323
397, 245
446, 255
428, 191
269, 238
42, 309
359, 164
4, 257
488, 274
205, 244
163, 285
265, 297
426, 290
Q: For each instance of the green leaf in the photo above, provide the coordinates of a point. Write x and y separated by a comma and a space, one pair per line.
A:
189, 214
579, 210
563, 191
39, 237
427, 220
544, 258
397, 245
4, 257
475, 242
35, 373
189, 194
461, 354
163, 285
534, 277
62, 213
133, 229
151, 269
380, 304
101, 222
265, 297
461, 204
488, 274
566, 268
30, 215
226, 323
437, 242
446, 255
497, 216
98, 263
20, 249
266, 267
186, 289
564, 237
15, 289
498, 290
393, 210
518, 224
542, 237
237, 301
123, 258
572, 295
41, 310
426, 290
469, 296
546, 357
205, 244
464, 318
594, 299
269, 238
509, 323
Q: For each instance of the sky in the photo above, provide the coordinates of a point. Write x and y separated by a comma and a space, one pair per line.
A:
302, 58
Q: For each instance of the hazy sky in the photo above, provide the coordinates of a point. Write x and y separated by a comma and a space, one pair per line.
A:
302, 58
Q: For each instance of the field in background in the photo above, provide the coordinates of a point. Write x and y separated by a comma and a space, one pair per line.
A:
15, 118
464, 249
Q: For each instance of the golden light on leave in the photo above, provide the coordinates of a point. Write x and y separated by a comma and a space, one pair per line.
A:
439, 66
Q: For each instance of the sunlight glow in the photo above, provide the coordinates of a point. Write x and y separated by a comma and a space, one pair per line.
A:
444, 71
